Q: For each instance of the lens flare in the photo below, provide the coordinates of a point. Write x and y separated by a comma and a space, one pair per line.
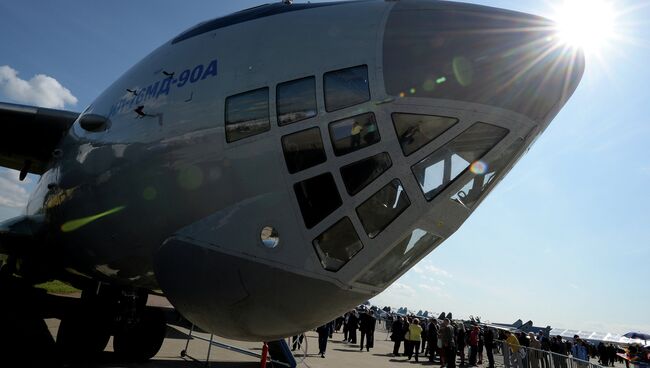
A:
73, 225
478, 167
589, 24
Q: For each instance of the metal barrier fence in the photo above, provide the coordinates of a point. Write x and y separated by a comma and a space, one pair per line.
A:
525, 357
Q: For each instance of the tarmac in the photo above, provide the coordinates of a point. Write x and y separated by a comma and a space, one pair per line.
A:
339, 354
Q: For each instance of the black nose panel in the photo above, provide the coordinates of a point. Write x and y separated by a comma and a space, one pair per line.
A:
243, 299
479, 54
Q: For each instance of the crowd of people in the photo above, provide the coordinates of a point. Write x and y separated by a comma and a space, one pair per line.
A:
445, 341
442, 340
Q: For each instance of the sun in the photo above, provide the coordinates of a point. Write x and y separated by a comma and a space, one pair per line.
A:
588, 24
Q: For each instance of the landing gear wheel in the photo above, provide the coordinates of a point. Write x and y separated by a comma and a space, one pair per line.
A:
82, 334
142, 340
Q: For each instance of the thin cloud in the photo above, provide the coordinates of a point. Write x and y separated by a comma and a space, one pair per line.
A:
12, 193
40, 90
399, 290
437, 271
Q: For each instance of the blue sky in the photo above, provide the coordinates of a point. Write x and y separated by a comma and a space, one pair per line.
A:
563, 240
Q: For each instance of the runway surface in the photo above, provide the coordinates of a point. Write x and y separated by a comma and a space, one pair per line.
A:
339, 354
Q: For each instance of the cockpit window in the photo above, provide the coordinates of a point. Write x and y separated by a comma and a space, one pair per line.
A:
247, 114
486, 175
337, 245
346, 87
317, 198
444, 165
358, 175
414, 131
383, 207
296, 100
408, 251
303, 149
351, 134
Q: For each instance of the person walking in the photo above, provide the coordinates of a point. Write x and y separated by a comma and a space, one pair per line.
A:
473, 346
296, 341
414, 338
323, 334
534, 353
367, 323
397, 334
481, 344
461, 337
448, 341
424, 325
512, 350
489, 346
432, 339
579, 352
546, 348
353, 325
346, 317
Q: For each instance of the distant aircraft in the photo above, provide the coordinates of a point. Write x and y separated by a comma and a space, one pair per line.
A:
269, 170
519, 326
607, 337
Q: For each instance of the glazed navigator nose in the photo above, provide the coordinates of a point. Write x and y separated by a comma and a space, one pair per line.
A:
478, 54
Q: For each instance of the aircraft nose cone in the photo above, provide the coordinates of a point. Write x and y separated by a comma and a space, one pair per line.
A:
479, 54
243, 299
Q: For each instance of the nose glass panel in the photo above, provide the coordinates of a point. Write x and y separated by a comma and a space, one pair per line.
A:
414, 130
403, 255
383, 207
337, 245
441, 167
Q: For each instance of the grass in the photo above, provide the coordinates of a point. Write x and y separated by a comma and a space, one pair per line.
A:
57, 287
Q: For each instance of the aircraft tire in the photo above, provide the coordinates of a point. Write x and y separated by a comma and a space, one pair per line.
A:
81, 335
142, 341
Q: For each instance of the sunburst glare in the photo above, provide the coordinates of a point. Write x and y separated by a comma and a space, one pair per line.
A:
588, 24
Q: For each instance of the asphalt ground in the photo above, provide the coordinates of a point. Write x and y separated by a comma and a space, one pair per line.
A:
339, 354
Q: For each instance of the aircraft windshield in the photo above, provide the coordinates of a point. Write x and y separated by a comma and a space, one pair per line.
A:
406, 253
486, 176
441, 167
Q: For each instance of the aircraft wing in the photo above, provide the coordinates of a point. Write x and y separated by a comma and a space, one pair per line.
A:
17, 234
29, 134
606, 337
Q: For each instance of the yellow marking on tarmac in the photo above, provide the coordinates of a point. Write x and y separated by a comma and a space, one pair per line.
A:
73, 225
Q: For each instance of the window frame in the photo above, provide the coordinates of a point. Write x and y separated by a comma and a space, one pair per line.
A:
462, 173
365, 224
357, 162
317, 247
324, 79
285, 137
392, 118
277, 100
268, 113
336, 150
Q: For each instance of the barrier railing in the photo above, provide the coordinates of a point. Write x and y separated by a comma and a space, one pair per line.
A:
526, 357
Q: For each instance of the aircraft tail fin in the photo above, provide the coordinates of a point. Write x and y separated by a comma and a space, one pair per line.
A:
518, 323
526, 326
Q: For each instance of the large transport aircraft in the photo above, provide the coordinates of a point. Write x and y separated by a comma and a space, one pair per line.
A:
269, 170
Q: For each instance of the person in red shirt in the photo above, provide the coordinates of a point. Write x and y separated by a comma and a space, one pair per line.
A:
473, 345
